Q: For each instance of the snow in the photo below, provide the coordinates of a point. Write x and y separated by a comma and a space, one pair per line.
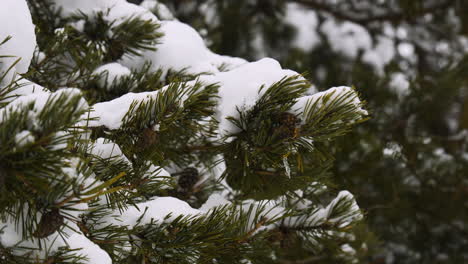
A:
406, 50
346, 38
122, 10
16, 21
354, 214
111, 113
331, 94
324, 214
24, 138
349, 39
382, 53
346, 248
392, 149
70, 7
240, 88
105, 149
12, 237
286, 166
234, 92
215, 200
9, 235
181, 48
39, 99
110, 74
87, 248
156, 210
117, 10
78, 25
399, 84
160, 9
305, 22
24, 87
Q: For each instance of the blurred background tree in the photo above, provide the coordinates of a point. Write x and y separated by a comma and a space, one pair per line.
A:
408, 166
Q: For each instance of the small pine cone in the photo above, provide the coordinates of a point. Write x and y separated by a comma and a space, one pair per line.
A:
288, 119
188, 178
288, 125
148, 138
49, 224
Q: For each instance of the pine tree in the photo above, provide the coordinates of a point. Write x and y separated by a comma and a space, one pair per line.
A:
407, 166
126, 140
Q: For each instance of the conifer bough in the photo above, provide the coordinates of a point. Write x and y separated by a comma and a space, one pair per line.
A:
129, 141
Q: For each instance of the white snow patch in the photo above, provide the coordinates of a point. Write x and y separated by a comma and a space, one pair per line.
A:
71, 7
399, 84
240, 87
16, 21
346, 38
215, 200
24, 87
331, 94
23, 138
381, 54
87, 248
305, 22
111, 113
105, 149
181, 48
111, 74
156, 210
39, 100
160, 9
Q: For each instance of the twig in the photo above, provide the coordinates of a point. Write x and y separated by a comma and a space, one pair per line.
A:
247, 236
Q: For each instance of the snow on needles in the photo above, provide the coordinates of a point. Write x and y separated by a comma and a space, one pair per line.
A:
16, 22
239, 88
110, 74
326, 98
111, 114
181, 48
37, 101
153, 210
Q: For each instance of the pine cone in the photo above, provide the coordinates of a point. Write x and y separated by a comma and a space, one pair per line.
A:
288, 125
188, 178
49, 224
148, 138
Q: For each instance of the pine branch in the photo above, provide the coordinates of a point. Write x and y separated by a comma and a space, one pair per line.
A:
391, 16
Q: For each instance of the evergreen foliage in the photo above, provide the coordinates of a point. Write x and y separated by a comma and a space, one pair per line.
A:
111, 170
408, 164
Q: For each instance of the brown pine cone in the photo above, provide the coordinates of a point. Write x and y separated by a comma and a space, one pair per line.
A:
188, 178
288, 125
147, 138
50, 222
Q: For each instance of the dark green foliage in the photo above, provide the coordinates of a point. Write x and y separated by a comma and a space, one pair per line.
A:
266, 157
56, 179
167, 119
99, 42
415, 195
197, 239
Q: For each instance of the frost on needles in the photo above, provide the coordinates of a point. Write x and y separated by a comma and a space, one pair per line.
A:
129, 141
